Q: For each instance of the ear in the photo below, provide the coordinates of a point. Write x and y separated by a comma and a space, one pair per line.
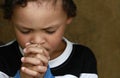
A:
69, 20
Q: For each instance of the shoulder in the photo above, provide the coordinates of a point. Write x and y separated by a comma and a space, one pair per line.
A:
10, 58
82, 50
10, 47
86, 58
9, 44
79, 50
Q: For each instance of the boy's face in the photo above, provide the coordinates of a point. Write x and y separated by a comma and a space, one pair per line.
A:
40, 23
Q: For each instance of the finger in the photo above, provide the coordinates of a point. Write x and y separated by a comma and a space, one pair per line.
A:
33, 49
39, 68
36, 50
32, 61
43, 59
36, 60
29, 44
31, 72
46, 53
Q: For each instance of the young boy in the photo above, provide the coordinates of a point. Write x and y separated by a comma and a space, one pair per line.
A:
40, 49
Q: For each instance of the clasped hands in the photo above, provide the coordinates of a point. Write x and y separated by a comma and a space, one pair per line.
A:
34, 61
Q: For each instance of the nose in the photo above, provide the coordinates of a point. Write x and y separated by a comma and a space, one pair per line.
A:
37, 39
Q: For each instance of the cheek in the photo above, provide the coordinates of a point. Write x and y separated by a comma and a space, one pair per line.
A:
54, 41
22, 40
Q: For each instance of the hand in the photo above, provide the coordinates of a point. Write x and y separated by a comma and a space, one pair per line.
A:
35, 61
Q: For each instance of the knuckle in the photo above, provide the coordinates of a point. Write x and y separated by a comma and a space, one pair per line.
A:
37, 74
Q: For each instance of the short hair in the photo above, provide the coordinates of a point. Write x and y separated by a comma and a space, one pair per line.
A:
8, 6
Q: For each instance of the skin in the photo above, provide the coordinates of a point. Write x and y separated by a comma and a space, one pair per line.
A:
39, 29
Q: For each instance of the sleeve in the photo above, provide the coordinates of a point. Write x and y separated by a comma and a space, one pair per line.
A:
48, 73
89, 62
3, 75
89, 66
17, 74
89, 69
85, 75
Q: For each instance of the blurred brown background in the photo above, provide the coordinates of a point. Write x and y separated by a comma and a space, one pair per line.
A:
96, 26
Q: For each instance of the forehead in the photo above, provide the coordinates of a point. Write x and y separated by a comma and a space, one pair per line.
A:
38, 7
35, 13
41, 4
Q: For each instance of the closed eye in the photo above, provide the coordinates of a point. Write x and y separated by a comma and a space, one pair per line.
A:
50, 32
25, 32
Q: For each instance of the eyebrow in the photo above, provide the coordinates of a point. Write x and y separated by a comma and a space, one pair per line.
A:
49, 27
44, 28
22, 27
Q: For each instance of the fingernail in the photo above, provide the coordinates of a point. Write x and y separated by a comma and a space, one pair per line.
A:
22, 59
22, 68
24, 50
28, 43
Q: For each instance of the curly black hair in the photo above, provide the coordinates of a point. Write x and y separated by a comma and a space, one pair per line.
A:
8, 6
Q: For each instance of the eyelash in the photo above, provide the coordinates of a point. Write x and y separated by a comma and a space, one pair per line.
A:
50, 32
25, 32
